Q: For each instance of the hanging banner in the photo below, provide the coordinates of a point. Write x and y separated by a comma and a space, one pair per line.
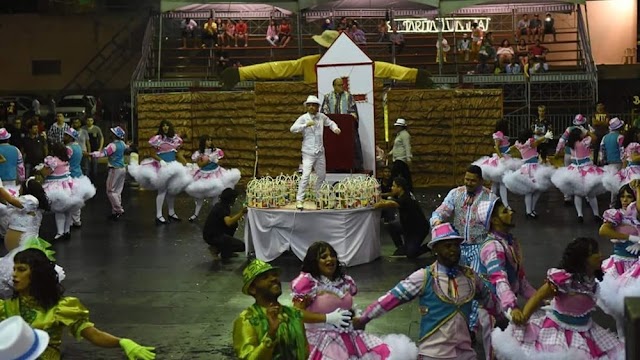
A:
448, 25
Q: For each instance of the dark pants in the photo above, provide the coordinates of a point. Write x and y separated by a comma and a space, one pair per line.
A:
358, 161
226, 244
410, 242
400, 168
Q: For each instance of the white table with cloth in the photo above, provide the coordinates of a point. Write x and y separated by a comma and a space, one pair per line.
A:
353, 233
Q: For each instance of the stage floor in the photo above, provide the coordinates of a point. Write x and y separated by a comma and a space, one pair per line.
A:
157, 285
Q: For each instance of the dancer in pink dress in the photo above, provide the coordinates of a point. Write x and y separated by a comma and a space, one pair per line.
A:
582, 178
65, 195
565, 330
621, 225
494, 167
209, 178
162, 172
322, 287
532, 178
614, 181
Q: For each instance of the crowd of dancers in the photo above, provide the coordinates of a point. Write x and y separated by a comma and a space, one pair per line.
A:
476, 285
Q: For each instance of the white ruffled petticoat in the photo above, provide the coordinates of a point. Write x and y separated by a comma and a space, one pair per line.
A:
584, 180
173, 176
531, 177
494, 167
65, 194
210, 184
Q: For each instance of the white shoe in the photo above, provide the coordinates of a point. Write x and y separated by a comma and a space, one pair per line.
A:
299, 205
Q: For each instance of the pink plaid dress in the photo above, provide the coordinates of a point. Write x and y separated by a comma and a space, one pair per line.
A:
327, 342
565, 330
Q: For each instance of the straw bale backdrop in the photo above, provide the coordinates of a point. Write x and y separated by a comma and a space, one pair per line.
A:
449, 128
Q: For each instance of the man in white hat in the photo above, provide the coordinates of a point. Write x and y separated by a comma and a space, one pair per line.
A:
306, 67
444, 290
340, 101
401, 153
19, 341
311, 125
11, 164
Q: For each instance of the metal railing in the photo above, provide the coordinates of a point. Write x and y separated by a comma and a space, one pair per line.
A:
559, 122
585, 43
143, 70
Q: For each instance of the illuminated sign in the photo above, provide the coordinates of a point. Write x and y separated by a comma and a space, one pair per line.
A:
448, 25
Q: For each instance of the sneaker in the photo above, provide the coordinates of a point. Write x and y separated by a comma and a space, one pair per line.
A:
193, 218
580, 219
76, 225
299, 205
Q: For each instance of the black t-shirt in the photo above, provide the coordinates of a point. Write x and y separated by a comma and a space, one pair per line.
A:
412, 219
215, 226
34, 149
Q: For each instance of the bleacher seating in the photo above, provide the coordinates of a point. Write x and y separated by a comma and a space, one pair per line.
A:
420, 51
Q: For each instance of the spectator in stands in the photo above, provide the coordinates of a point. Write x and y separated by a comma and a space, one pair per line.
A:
522, 52
284, 32
230, 33
397, 40
242, 32
327, 25
464, 46
488, 36
56, 131
35, 147
538, 52
343, 24
535, 27
209, 33
221, 27
358, 36
522, 28
477, 34
513, 67
538, 65
487, 52
188, 27
383, 31
272, 33
505, 53
223, 61
549, 27
444, 47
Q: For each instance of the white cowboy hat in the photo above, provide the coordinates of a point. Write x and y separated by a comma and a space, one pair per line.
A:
312, 99
19, 341
400, 122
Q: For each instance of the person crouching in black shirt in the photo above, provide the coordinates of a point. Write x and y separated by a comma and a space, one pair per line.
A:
221, 226
413, 223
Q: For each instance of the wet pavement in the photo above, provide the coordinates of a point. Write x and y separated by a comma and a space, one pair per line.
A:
157, 285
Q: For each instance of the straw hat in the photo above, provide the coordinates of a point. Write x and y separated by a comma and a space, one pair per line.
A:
4, 134
443, 232
615, 124
252, 271
312, 99
19, 341
327, 38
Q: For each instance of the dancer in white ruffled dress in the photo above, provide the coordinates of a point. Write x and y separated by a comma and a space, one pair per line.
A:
622, 226
494, 167
614, 181
80, 181
209, 178
582, 178
64, 194
23, 228
532, 178
162, 172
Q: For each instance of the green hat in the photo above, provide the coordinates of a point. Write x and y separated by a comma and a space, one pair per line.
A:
252, 271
